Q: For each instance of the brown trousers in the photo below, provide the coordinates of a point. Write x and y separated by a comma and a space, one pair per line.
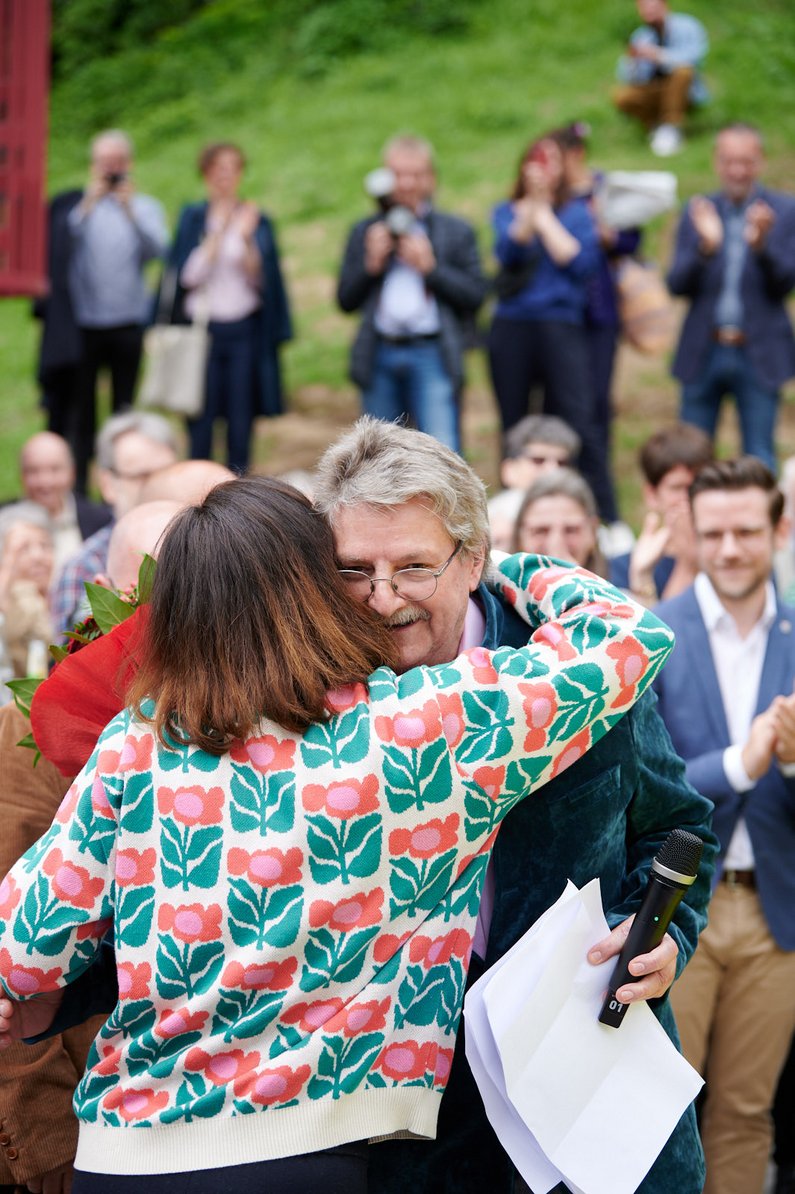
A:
735, 1010
662, 101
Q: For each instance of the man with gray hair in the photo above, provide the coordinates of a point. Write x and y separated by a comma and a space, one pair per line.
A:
415, 275
411, 534
114, 231
131, 448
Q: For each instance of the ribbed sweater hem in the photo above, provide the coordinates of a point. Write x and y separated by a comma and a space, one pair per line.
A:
263, 1136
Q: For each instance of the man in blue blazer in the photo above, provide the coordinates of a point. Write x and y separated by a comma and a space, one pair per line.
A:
735, 262
726, 696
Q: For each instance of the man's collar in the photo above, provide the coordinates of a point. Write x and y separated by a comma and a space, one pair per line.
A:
751, 197
475, 624
494, 615
714, 612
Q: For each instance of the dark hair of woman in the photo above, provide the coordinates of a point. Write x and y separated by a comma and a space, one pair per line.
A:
541, 150
249, 618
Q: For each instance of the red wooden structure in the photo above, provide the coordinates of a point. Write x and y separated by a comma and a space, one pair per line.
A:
24, 84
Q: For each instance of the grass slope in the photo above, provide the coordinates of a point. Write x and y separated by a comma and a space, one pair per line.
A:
312, 92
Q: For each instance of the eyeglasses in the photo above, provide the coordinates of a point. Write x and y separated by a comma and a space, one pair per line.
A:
412, 584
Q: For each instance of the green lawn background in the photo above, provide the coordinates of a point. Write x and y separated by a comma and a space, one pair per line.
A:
313, 100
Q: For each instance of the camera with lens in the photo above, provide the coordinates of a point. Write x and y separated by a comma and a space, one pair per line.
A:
115, 178
380, 185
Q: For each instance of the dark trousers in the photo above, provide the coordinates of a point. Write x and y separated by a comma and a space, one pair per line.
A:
340, 1170
602, 344
231, 379
59, 398
119, 350
524, 354
784, 1113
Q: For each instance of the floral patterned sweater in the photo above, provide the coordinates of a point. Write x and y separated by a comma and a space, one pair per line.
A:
293, 920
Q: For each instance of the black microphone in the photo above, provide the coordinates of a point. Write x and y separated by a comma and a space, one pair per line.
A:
673, 870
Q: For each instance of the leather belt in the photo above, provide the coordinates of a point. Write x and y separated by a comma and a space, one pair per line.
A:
415, 339
729, 337
739, 878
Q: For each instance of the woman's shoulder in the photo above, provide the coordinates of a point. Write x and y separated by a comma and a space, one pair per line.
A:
191, 214
576, 212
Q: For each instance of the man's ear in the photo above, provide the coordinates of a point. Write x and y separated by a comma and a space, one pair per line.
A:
782, 532
477, 565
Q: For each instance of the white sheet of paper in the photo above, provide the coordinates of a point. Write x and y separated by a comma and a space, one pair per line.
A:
483, 1056
597, 1103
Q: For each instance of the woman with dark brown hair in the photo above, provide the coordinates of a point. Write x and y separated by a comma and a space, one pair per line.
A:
253, 566
546, 246
290, 843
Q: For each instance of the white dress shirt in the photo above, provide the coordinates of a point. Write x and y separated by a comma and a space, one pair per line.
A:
735, 656
406, 306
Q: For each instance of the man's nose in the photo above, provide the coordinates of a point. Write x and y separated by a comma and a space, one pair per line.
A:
729, 543
384, 599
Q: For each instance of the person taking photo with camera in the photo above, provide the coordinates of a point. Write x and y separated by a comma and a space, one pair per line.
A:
113, 231
415, 275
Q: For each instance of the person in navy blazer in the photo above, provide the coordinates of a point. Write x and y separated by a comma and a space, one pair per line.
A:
735, 261
726, 697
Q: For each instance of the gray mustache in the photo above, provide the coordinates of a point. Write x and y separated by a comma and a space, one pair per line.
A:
409, 613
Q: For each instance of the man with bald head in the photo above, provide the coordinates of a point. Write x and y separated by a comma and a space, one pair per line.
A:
135, 535
187, 481
140, 467
47, 473
114, 231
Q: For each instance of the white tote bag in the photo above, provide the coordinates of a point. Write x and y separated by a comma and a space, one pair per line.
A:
630, 198
176, 362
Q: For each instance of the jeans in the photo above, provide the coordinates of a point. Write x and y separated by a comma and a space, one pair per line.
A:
729, 371
231, 380
411, 379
